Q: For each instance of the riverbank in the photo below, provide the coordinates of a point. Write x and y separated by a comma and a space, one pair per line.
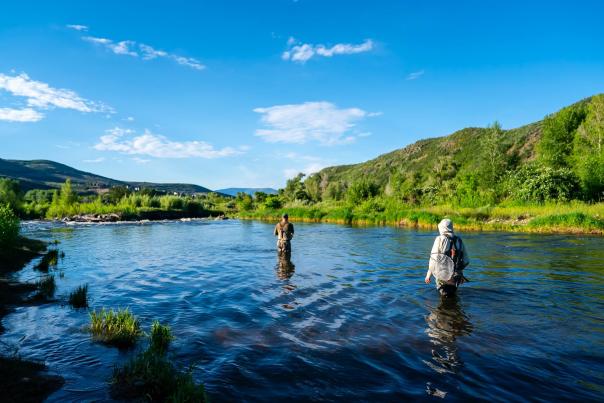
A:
572, 218
21, 380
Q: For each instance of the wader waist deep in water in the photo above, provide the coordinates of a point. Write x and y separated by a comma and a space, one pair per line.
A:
285, 232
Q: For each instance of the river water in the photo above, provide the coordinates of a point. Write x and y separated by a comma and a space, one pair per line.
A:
349, 318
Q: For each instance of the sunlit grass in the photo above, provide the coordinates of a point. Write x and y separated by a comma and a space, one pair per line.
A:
551, 217
119, 328
79, 297
160, 338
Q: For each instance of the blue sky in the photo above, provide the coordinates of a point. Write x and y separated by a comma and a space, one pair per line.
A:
247, 93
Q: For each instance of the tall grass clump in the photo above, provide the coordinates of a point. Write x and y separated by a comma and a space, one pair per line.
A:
151, 377
161, 336
119, 328
46, 287
50, 259
79, 297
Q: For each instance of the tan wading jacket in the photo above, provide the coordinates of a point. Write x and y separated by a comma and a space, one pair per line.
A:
284, 231
442, 244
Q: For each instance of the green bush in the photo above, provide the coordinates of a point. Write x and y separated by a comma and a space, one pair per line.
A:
9, 225
536, 183
161, 336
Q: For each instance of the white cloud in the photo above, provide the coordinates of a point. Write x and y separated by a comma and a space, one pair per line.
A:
40, 95
140, 160
20, 115
307, 170
415, 75
158, 146
132, 48
302, 52
95, 161
78, 27
311, 121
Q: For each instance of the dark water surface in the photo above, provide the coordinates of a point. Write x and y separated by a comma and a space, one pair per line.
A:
350, 319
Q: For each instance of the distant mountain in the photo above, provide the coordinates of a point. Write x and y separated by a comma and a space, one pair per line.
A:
44, 174
250, 191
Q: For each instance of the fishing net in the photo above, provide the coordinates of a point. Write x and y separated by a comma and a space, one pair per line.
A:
443, 266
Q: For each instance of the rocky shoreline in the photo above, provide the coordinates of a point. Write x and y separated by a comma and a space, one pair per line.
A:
142, 217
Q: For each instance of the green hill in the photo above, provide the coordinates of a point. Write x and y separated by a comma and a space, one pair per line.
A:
478, 161
250, 191
44, 174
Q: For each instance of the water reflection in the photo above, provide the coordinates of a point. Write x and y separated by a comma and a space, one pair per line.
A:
285, 267
446, 323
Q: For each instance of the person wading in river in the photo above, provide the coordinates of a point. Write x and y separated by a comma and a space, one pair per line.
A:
284, 230
448, 259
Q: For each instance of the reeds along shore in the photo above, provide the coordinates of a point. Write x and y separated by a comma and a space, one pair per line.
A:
572, 218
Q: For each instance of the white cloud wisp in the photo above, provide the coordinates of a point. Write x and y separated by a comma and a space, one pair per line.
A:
322, 122
302, 52
146, 52
158, 146
40, 95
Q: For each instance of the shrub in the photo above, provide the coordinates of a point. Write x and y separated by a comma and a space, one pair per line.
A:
273, 202
150, 376
119, 328
161, 336
9, 225
79, 297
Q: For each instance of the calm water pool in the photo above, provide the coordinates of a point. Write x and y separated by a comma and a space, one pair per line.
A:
349, 319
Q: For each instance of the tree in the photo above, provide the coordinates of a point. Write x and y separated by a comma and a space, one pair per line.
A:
10, 193
260, 197
361, 190
588, 152
559, 129
493, 162
294, 189
67, 197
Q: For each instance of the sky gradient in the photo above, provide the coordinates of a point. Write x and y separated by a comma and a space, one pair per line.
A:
248, 93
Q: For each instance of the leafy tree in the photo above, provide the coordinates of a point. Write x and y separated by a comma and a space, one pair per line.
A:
10, 193
295, 189
273, 202
588, 153
361, 190
537, 183
494, 163
244, 201
559, 129
67, 196
9, 225
335, 190
260, 197
117, 193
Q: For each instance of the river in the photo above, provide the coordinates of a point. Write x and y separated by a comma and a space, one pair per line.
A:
349, 318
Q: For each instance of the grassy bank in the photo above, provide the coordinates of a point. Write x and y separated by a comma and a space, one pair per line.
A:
573, 217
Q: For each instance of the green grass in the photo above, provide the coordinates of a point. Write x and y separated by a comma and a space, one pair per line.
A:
46, 287
151, 377
119, 328
79, 297
50, 259
160, 338
573, 217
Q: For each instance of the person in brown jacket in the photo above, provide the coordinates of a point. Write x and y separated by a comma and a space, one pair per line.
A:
284, 231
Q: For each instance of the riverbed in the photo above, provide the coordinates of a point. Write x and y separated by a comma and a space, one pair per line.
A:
348, 318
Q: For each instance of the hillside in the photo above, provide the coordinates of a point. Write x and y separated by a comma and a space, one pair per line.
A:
44, 174
250, 191
443, 164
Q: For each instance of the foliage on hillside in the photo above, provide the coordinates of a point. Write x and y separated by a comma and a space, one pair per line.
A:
559, 158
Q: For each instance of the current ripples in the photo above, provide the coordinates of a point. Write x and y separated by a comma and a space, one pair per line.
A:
347, 318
